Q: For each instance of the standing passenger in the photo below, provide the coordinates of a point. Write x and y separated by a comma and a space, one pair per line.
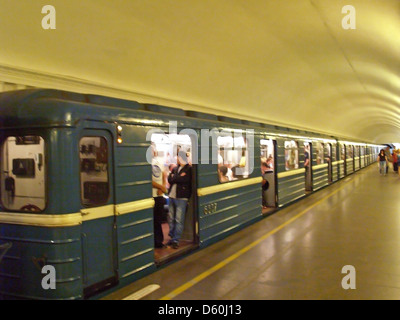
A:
307, 156
388, 158
264, 183
180, 180
158, 183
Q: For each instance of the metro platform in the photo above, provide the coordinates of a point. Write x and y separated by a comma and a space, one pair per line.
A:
298, 252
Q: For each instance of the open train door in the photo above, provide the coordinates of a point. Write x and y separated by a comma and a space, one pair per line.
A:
166, 147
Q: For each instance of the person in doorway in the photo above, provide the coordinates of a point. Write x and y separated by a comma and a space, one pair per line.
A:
158, 183
180, 180
382, 159
264, 183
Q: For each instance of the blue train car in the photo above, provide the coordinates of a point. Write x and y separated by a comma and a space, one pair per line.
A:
76, 186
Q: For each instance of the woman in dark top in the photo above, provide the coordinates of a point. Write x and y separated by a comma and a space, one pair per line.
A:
382, 162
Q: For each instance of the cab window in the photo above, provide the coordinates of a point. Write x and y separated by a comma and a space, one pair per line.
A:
23, 174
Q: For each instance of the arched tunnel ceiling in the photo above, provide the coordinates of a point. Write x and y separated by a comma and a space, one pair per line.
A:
288, 62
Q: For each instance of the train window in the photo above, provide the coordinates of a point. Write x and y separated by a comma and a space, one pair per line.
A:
349, 152
291, 155
328, 152
320, 153
233, 158
23, 174
343, 152
267, 154
167, 147
93, 154
356, 151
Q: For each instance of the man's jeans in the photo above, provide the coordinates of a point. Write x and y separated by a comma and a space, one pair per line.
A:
176, 218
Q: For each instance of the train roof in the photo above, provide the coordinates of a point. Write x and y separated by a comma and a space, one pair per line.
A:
50, 107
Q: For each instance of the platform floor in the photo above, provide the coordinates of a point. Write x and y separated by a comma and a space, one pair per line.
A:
299, 251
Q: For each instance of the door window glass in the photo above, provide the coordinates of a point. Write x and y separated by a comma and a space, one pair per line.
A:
328, 152
320, 153
267, 154
291, 155
93, 154
233, 158
349, 153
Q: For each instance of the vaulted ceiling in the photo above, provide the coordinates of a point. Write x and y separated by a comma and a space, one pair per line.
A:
291, 62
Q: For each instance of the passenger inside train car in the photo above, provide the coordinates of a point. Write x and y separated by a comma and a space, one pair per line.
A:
233, 158
179, 193
308, 166
159, 182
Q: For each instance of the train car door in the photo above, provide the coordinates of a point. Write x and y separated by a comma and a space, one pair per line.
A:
357, 158
97, 199
343, 153
268, 171
362, 156
328, 153
308, 165
167, 149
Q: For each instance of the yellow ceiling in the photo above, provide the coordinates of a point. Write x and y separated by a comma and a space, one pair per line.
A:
279, 61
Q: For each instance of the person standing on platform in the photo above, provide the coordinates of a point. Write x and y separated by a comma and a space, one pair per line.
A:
382, 159
394, 158
388, 158
180, 180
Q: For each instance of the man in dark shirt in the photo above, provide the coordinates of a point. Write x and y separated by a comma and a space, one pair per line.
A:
180, 180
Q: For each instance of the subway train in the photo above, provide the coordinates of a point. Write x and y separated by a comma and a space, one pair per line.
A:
76, 207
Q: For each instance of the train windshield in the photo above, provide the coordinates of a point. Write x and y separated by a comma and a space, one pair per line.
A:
23, 174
